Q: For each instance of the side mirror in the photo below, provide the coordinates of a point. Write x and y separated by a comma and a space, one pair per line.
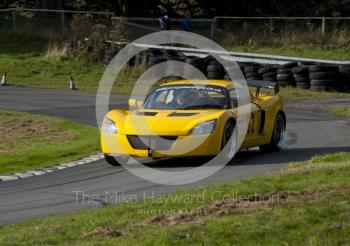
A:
133, 103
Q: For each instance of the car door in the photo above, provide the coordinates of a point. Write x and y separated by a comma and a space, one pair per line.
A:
254, 125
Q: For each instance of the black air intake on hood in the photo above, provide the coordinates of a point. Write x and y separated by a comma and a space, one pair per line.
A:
146, 113
176, 114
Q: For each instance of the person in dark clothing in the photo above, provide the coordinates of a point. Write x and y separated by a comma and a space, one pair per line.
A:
164, 20
186, 23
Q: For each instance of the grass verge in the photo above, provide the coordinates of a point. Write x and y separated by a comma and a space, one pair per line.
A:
296, 94
307, 51
340, 111
33, 63
305, 204
31, 141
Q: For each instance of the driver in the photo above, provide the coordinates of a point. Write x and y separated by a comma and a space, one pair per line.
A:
184, 97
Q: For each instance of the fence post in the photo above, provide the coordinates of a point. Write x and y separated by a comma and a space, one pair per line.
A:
213, 29
62, 22
14, 20
323, 29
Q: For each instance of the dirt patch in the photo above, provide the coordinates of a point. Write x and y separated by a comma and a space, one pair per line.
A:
101, 231
245, 206
15, 130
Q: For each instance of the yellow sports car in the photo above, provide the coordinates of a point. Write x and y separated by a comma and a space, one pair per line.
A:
192, 119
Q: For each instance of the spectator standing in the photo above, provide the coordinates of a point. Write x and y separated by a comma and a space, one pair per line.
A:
186, 23
164, 20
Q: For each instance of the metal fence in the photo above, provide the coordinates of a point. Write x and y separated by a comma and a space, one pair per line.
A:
220, 29
289, 29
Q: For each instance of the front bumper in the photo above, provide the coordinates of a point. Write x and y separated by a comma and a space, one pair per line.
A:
176, 146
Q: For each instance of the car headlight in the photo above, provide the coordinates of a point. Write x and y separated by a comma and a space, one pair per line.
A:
204, 128
109, 127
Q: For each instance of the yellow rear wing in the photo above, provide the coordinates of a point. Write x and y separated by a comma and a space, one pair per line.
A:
263, 84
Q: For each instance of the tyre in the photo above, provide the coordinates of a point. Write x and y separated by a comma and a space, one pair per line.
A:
301, 78
214, 68
300, 70
284, 83
116, 161
284, 71
321, 82
196, 62
322, 68
322, 75
345, 70
253, 78
266, 70
278, 135
251, 69
285, 77
253, 74
307, 64
272, 79
289, 65
270, 74
215, 75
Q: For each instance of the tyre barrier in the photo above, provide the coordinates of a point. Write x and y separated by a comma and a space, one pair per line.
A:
251, 71
323, 78
268, 73
303, 75
215, 70
197, 62
344, 78
285, 75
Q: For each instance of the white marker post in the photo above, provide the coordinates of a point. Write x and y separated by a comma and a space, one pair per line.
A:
4, 81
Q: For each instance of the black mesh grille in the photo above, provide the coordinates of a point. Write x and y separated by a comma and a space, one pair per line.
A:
154, 143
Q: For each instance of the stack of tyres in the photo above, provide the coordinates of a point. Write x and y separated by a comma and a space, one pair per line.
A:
155, 57
301, 77
196, 62
215, 70
251, 72
322, 77
285, 75
175, 69
344, 78
268, 73
244, 64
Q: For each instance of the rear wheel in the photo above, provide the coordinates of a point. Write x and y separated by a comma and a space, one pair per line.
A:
116, 161
278, 136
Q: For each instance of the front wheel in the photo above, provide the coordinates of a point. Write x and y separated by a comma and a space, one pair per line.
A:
278, 136
116, 161
229, 138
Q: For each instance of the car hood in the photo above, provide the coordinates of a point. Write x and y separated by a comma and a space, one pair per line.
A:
166, 122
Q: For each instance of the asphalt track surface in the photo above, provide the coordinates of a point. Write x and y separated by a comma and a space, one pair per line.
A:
308, 133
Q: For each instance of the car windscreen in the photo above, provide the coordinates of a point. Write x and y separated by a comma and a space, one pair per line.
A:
186, 97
